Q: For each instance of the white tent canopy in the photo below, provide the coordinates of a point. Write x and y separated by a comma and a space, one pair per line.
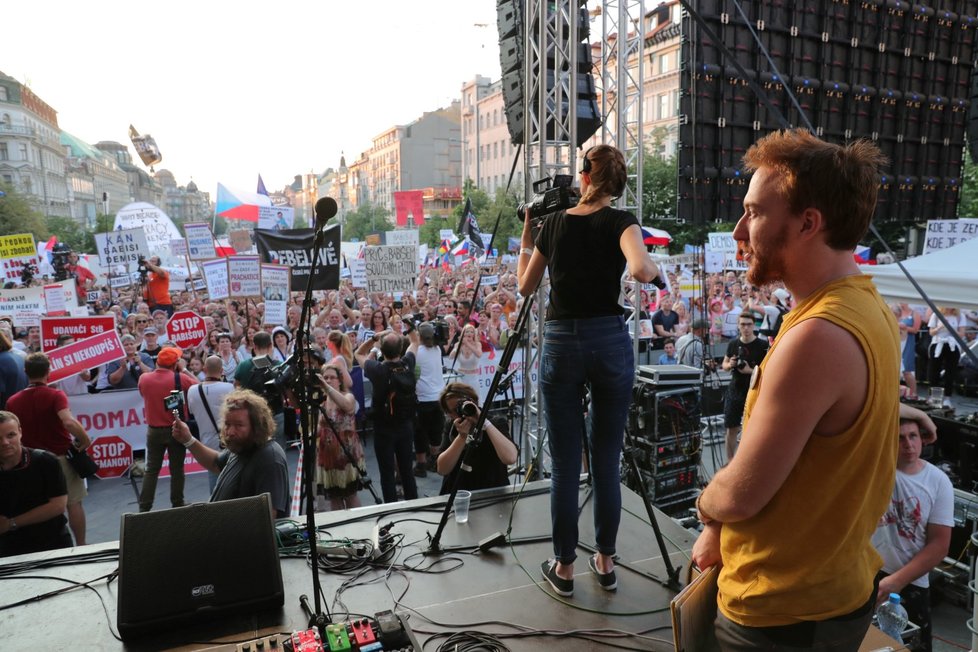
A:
949, 277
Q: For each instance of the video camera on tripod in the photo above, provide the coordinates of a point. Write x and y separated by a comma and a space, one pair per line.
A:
143, 271
549, 196
60, 259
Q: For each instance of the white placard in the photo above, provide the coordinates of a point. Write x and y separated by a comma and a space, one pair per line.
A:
276, 217
721, 242
447, 234
391, 269
358, 272
54, 299
216, 275
178, 247
200, 241
402, 237
488, 280
275, 280
244, 276
714, 262
157, 226
942, 234
122, 247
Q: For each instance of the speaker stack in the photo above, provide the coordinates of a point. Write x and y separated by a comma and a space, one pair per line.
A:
893, 72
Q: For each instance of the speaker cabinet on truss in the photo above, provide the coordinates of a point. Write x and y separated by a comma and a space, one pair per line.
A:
885, 70
509, 22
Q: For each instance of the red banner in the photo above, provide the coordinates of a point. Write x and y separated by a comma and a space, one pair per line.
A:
78, 327
409, 201
85, 354
186, 329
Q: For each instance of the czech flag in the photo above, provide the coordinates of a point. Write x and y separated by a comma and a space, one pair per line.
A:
863, 255
655, 237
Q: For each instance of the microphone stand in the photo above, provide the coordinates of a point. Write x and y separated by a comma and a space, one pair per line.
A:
308, 433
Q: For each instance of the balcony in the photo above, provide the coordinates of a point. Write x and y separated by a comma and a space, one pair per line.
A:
12, 130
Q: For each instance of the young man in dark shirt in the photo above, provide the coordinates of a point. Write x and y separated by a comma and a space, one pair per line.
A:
33, 495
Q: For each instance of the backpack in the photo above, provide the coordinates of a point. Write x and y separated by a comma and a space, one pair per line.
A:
401, 400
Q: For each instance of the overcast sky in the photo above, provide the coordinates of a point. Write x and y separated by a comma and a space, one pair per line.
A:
231, 89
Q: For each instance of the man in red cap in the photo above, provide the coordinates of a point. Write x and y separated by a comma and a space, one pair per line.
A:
169, 376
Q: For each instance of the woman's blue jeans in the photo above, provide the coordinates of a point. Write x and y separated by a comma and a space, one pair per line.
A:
579, 355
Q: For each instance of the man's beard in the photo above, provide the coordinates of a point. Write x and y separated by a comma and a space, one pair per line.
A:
767, 267
240, 446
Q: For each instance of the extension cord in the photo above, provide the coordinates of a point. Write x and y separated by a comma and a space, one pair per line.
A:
341, 551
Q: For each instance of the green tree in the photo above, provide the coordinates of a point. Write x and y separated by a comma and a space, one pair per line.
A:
659, 187
71, 232
18, 216
366, 219
968, 203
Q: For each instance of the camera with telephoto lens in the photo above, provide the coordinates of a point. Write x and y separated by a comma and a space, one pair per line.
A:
739, 361
286, 377
467, 409
27, 273
549, 196
439, 328
173, 400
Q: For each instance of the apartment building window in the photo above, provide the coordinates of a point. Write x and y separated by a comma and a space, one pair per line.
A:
3, 94
23, 152
495, 150
4, 156
665, 107
665, 62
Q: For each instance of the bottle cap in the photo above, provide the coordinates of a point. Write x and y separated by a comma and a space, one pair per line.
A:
895, 598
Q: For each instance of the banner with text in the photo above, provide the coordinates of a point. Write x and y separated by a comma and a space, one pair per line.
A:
78, 327
294, 249
66, 361
178, 246
200, 241
16, 251
942, 234
244, 276
26, 305
358, 272
391, 268
216, 275
114, 415
121, 248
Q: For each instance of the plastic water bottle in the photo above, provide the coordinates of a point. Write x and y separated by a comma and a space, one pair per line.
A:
892, 617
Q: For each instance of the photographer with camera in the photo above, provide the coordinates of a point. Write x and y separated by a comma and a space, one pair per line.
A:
156, 285
164, 391
586, 347
495, 450
247, 375
743, 354
84, 279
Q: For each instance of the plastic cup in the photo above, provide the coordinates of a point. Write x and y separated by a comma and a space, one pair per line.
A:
462, 499
937, 396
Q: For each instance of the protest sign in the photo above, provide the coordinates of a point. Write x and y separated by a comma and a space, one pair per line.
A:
156, 225
200, 241
244, 276
118, 415
90, 352
79, 328
276, 218
275, 291
294, 249
722, 241
123, 247
240, 240
24, 305
402, 237
942, 234
216, 275
178, 247
186, 329
358, 272
391, 268
54, 299
16, 251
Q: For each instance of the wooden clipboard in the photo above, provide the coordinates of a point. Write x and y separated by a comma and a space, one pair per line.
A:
693, 611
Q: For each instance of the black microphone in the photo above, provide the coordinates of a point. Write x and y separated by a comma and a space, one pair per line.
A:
325, 209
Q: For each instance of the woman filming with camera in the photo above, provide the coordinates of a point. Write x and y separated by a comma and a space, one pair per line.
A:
586, 347
493, 453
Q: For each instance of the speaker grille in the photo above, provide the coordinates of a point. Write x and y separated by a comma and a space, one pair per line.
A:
212, 558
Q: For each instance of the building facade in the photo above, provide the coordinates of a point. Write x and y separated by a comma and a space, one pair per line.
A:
184, 204
32, 159
96, 183
489, 151
142, 187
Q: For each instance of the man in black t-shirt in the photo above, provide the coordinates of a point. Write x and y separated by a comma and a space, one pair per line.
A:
664, 322
743, 354
33, 495
393, 434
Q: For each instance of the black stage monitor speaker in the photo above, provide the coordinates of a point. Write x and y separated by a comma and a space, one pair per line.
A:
200, 561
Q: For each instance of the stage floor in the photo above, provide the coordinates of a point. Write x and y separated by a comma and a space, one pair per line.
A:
460, 588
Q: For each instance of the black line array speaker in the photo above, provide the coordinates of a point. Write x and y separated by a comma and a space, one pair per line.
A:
510, 22
183, 565
886, 70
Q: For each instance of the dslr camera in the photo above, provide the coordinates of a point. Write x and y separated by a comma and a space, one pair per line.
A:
549, 196
143, 270
59, 261
467, 409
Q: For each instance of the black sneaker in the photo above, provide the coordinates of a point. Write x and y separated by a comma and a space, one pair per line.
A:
608, 581
420, 471
560, 586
